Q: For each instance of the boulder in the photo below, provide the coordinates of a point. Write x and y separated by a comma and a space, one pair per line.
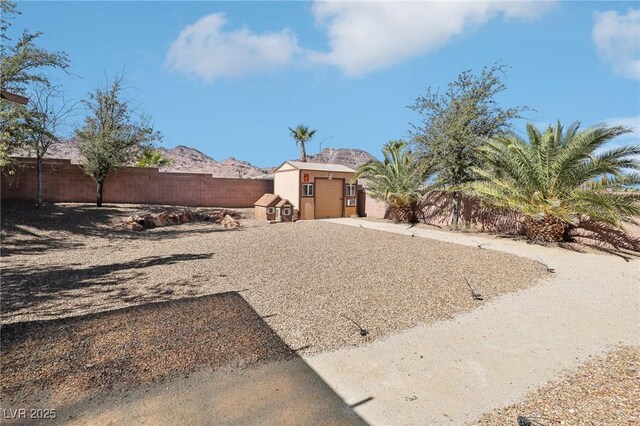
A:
135, 218
173, 218
185, 217
200, 216
134, 226
226, 218
232, 213
229, 222
149, 221
161, 219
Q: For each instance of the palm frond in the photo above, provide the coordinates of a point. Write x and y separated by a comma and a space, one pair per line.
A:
399, 178
557, 173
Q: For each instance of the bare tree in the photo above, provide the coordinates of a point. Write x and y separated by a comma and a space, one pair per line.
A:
48, 113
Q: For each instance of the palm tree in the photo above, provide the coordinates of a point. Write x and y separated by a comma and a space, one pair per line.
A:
153, 158
302, 135
558, 177
398, 180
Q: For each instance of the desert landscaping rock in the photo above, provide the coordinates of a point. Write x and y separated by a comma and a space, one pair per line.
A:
85, 265
605, 390
229, 222
227, 218
68, 361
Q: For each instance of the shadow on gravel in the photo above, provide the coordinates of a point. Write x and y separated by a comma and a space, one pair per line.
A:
28, 287
27, 230
201, 360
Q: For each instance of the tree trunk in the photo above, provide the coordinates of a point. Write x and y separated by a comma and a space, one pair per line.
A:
100, 183
303, 153
455, 209
546, 229
403, 214
39, 182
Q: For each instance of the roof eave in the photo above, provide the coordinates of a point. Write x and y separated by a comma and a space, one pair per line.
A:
23, 100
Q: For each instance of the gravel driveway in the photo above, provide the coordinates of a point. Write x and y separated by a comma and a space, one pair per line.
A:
303, 277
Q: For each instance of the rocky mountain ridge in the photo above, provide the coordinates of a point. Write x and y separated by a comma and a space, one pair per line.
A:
189, 160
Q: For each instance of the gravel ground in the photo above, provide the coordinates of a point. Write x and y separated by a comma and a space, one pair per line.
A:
69, 260
67, 361
603, 391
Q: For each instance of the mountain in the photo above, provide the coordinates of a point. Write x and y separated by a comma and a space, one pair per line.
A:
190, 160
347, 157
185, 159
66, 149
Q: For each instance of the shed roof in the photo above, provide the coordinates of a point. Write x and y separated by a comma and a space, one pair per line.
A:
13, 97
267, 200
283, 202
301, 165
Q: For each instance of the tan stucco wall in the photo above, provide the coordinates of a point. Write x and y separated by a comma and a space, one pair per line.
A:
286, 166
286, 185
306, 208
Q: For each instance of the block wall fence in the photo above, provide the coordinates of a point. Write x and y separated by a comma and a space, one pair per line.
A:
435, 210
63, 181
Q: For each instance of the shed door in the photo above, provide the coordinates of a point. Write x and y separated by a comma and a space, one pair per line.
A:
328, 198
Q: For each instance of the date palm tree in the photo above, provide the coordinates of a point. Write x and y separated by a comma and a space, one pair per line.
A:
301, 134
150, 157
559, 177
398, 180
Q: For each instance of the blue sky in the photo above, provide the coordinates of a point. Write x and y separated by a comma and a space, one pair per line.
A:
229, 78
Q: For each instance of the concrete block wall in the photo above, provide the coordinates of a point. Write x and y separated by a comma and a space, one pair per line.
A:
66, 182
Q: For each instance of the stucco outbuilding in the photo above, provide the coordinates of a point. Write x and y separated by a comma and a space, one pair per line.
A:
317, 190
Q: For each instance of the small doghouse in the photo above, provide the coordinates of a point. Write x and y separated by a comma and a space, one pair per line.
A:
265, 207
284, 211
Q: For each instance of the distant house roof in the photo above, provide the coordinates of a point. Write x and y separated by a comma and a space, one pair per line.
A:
267, 200
13, 97
283, 202
301, 165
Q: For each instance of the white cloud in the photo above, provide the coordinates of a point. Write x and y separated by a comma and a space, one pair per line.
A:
206, 50
633, 123
363, 36
368, 35
633, 138
617, 40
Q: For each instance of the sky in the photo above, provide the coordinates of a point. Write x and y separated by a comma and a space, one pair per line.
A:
229, 78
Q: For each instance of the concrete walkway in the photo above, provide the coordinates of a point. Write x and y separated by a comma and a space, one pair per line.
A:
276, 393
450, 372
